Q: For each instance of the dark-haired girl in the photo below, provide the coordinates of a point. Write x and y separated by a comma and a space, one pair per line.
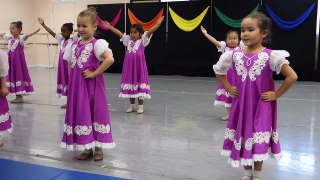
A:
135, 80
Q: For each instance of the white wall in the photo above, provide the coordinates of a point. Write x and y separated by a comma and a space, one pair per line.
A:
54, 15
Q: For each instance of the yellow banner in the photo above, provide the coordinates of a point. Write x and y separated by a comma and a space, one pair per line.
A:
187, 25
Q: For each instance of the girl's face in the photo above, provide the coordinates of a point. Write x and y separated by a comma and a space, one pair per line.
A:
65, 32
134, 34
232, 40
14, 30
86, 28
251, 34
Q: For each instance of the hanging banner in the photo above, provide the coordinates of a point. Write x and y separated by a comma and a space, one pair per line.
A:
231, 22
187, 25
114, 22
290, 25
145, 25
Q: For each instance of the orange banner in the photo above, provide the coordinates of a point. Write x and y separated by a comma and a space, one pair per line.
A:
145, 25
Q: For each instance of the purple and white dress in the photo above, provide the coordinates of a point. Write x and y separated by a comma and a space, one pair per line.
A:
62, 74
135, 80
5, 118
87, 122
18, 78
252, 127
223, 97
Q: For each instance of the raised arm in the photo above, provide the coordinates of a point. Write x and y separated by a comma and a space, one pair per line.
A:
41, 21
210, 38
113, 29
31, 34
155, 27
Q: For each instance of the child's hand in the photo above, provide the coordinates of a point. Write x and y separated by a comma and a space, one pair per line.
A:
41, 21
106, 23
204, 31
160, 20
269, 96
89, 74
4, 91
233, 91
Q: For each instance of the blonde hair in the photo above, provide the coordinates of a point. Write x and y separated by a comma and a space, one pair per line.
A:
91, 13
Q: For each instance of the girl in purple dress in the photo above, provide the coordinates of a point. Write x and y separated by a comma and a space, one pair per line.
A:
62, 74
223, 98
135, 80
87, 122
18, 78
5, 119
252, 126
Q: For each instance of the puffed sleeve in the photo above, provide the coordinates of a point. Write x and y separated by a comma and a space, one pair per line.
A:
75, 37
145, 40
222, 46
67, 55
242, 45
59, 38
100, 47
7, 36
22, 39
125, 39
4, 65
224, 63
277, 59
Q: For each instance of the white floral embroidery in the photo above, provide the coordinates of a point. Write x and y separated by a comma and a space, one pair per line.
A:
67, 129
258, 66
222, 92
229, 134
275, 137
13, 44
73, 58
101, 128
63, 44
261, 137
239, 64
4, 117
237, 145
82, 130
135, 46
17, 84
248, 144
134, 87
85, 54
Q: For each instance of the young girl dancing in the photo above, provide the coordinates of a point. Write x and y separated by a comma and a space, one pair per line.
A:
252, 127
135, 80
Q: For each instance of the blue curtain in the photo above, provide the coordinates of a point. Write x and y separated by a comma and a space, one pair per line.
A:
289, 25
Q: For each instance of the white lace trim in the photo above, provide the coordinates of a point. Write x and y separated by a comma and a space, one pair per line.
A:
222, 92
83, 57
258, 65
135, 47
13, 46
135, 87
236, 144
18, 83
4, 117
61, 96
249, 162
101, 128
239, 64
258, 138
82, 147
62, 87
222, 103
256, 68
82, 130
25, 93
67, 129
139, 95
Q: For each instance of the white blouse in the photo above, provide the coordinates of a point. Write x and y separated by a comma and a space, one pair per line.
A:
4, 64
100, 47
126, 40
277, 59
